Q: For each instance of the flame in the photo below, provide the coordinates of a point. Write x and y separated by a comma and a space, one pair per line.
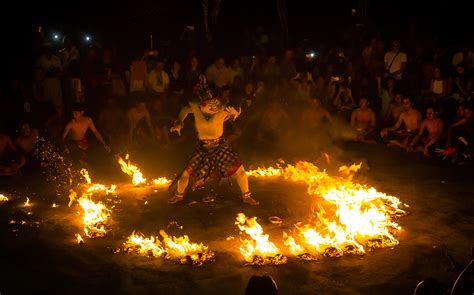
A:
349, 218
86, 176
172, 248
72, 197
265, 172
95, 187
258, 250
79, 239
132, 170
161, 181
27, 203
141, 245
95, 217
54, 205
3, 198
187, 253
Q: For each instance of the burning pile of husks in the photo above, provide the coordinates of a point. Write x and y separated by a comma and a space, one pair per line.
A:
173, 248
349, 218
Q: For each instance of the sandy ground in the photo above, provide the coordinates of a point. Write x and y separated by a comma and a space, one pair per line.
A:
43, 257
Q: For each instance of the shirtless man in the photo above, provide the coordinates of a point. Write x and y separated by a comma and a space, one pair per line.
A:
312, 117
136, 116
411, 119
363, 121
8, 164
213, 155
76, 131
27, 139
273, 119
395, 109
433, 127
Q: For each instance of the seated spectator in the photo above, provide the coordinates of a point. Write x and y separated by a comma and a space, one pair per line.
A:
273, 122
158, 80
27, 139
363, 121
395, 109
139, 122
218, 74
429, 135
387, 96
411, 119
344, 101
192, 72
176, 85
439, 86
461, 137
314, 116
235, 70
261, 285
74, 135
162, 123
10, 162
460, 84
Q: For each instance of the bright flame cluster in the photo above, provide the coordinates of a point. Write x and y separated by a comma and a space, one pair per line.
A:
3, 198
132, 170
350, 217
258, 249
179, 248
96, 187
95, 216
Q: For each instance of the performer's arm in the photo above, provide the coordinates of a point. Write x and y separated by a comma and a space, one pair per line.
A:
178, 125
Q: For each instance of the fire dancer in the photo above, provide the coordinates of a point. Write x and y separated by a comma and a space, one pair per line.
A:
76, 129
213, 155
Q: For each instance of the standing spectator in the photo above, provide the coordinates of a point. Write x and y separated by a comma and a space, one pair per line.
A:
395, 62
438, 87
51, 66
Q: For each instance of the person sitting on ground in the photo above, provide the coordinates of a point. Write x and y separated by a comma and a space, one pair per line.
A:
10, 164
363, 121
314, 116
272, 123
344, 101
138, 117
395, 109
461, 138
430, 133
27, 139
75, 131
411, 119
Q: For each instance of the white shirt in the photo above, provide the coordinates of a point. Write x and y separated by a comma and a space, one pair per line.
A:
396, 64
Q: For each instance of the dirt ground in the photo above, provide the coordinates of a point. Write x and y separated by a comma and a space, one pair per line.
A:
42, 256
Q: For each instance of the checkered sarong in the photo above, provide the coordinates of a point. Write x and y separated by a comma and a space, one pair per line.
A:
212, 158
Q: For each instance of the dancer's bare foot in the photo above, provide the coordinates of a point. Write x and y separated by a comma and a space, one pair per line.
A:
176, 198
247, 198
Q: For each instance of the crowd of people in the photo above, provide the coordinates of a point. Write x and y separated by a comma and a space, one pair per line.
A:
414, 96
